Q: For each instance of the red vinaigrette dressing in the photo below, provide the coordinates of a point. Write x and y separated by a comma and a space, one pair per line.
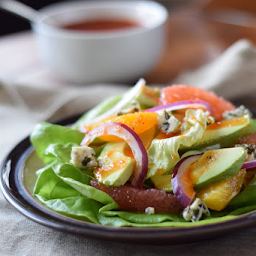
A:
103, 25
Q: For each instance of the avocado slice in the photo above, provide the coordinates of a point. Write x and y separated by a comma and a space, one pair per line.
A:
115, 168
216, 165
223, 134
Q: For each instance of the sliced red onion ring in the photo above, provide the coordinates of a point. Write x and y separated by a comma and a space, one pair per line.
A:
128, 97
182, 105
249, 164
133, 140
181, 183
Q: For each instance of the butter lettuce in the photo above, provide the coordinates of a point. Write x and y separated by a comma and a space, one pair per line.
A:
60, 197
45, 134
66, 189
163, 154
246, 197
98, 110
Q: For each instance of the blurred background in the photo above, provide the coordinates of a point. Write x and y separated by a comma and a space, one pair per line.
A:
12, 24
197, 31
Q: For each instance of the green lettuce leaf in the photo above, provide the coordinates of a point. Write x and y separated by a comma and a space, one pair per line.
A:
121, 219
59, 151
80, 181
78, 207
65, 189
163, 154
45, 134
98, 110
50, 186
245, 198
142, 218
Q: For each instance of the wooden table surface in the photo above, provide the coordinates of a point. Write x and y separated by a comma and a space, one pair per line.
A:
193, 39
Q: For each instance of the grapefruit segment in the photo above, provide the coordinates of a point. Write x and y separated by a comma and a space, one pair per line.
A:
248, 139
138, 199
176, 93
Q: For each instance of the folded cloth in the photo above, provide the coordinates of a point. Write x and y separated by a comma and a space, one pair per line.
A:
22, 106
232, 75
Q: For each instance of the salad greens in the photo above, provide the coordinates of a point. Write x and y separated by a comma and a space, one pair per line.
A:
66, 189
167, 149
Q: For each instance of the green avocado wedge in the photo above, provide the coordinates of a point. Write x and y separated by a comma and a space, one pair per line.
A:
224, 134
115, 168
216, 165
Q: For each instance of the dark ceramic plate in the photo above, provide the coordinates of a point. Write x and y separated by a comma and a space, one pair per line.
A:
17, 181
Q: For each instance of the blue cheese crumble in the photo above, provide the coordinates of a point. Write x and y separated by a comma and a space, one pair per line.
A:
250, 150
83, 157
195, 211
238, 112
168, 122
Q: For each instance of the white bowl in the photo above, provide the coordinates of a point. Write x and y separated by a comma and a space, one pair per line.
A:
90, 57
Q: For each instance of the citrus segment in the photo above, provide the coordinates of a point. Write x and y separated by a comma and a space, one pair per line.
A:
218, 195
138, 122
146, 136
133, 199
176, 93
248, 139
143, 123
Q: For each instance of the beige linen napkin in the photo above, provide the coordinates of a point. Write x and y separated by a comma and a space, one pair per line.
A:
22, 106
232, 75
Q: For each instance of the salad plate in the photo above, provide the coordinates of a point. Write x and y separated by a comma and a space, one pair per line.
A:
142, 167
18, 179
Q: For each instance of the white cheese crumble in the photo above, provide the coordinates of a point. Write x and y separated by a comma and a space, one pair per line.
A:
238, 112
83, 157
195, 211
168, 122
150, 210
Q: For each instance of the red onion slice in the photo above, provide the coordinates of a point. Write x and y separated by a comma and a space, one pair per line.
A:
181, 182
183, 104
128, 97
133, 140
249, 164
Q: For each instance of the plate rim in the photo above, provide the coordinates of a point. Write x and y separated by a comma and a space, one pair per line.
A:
148, 235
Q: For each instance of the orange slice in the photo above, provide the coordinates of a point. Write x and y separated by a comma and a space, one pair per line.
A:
143, 123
